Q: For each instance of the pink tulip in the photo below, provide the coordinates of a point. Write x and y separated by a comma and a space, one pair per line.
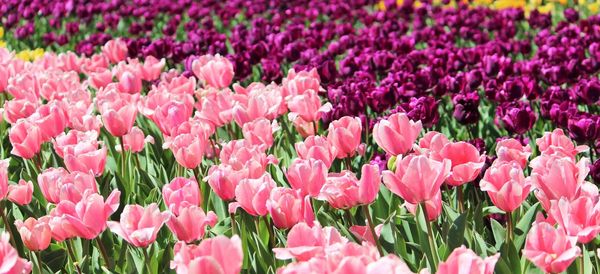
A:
509, 150
74, 140
389, 264
434, 207
25, 138
549, 248
397, 133
215, 255
463, 260
305, 242
190, 223
287, 207
260, 132
19, 108
557, 142
51, 119
139, 225
431, 144
36, 234
307, 106
181, 192
4, 177
216, 106
307, 175
152, 68
363, 233
118, 116
100, 79
304, 128
578, 218
252, 194
11, 263
130, 83
189, 149
417, 179
215, 71
466, 162
241, 154
86, 218
343, 190
318, 148
170, 114
555, 178
58, 184
59, 228
344, 134
21, 193
299, 82
223, 180
261, 102
506, 185
115, 50
87, 160
135, 140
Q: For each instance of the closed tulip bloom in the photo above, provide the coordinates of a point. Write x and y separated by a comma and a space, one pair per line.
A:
36, 234
396, 134
464, 261
550, 248
434, 207
578, 218
100, 79
305, 242
129, 83
511, 149
241, 154
139, 225
506, 185
181, 192
343, 190
190, 224
261, 102
417, 178
51, 118
118, 116
152, 68
25, 138
557, 142
21, 193
74, 140
466, 162
558, 178
189, 150
11, 262
58, 184
252, 194
304, 128
215, 71
135, 140
307, 175
431, 144
307, 106
260, 132
19, 108
86, 218
215, 255
216, 106
87, 160
170, 115
296, 83
4, 177
318, 148
287, 207
115, 50
344, 134
223, 180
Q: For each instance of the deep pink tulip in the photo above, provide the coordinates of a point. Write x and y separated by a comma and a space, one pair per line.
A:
509, 150
344, 134
466, 162
288, 207
506, 185
550, 248
396, 134
189, 149
21, 193
260, 132
252, 194
307, 106
118, 116
215, 71
135, 140
115, 50
417, 179
215, 255
89, 159
578, 218
58, 184
434, 207
181, 192
305, 242
75, 140
190, 223
318, 148
464, 261
4, 177
296, 83
11, 263
152, 68
86, 218
25, 138
343, 190
36, 234
139, 225
307, 175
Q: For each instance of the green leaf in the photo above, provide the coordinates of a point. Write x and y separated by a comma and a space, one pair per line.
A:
499, 233
524, 225
456, 235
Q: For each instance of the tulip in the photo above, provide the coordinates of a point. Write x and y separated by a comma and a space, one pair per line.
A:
51, 119
297, 83
36, 234
189, 150
129, 83
307, 175
25, 138
86, 160
417, 179
181, 192
190, 223
135, 141
466, 162
558, 178
509, 150
578, 218
115, 50
19, 108
506, 185
223, 180
344, 134
4, 177
139, 225
215, 71
260, 132
389, 264
21, 193
363, 234
241, 154
549, 248
343, 190
216, 106
261, 102
318, 148
287, 207
118, 116
304, 128
100, 79
307, 106
305, 242
396, 134
431, 144
11, 262
252, 194
466, 108
464, 260
517, 117
58, 184
74, 140
557, 142
434, 207
215, 255
152, 68
171, 114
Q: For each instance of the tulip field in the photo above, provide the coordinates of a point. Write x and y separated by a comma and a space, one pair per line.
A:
296, 136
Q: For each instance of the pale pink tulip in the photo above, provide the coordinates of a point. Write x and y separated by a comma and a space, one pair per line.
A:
190, 223
241, 154
181, 192
363, 233
86, 160
152, 67
307, 106
434, 207
431, 144
21, 193
466, 162
189, 149
36, 234
260, 132
549, 248
129, 83
318, 148
578, 218
11, 263
171, 114
252, 194
464, 261
288, 207
51, 118
556, 142
215, 71
100, 79
555, 178
343, 190
389, 264
4, 177
297, 83
19, 108
307, 175
396, 134
135, 140
74, 140
139, 225
215, 255
223, 180
260, 102
344, 134
58, 184
216, 106
115, 50
511, 149
305, 242
506, 185
304, 128
25, 138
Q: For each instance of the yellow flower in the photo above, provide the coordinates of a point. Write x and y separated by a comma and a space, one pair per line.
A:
546, 8
36, 54
1, 32
417, 4
2, 44
505, 4
381, 5
562, 2
594, 7
24, 55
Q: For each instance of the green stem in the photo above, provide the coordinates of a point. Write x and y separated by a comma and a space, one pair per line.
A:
431, 239
147, 260
103, 252
348, 162
122, 154
372, 229
509, 227
582, 259
72, 255
7, 225
39, 261
233, 223
460, 199
270, 229
348, 217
